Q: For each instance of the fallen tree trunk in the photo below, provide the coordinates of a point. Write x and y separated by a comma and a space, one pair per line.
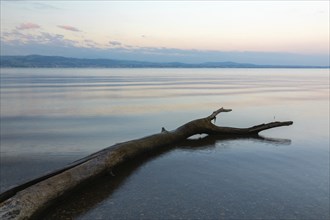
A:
29, 199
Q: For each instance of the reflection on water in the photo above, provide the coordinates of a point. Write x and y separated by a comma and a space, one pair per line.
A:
69, 92
50, 117
208, 178
85, 198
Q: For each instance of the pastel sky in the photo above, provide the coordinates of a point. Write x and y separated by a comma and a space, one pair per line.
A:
261, 32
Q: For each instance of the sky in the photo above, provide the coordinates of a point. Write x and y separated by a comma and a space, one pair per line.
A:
260, 32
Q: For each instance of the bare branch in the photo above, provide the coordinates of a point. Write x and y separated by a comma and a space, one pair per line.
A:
29, 199
215, 113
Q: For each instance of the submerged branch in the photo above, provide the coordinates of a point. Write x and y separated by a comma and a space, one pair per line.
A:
29, 199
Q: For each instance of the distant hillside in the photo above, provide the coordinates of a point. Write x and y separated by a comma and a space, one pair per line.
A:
65, 62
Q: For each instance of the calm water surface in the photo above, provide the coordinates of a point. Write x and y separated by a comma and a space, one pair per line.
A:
50, 117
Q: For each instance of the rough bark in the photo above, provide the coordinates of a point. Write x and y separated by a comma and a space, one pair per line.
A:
29, 199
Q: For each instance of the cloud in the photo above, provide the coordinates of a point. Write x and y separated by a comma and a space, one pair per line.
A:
27, 26
91, 44
115, 43
19, 38
68, 28
43, 43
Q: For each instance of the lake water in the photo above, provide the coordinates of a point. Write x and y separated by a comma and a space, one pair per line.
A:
50, 117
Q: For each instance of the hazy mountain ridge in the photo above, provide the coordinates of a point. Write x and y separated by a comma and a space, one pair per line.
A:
39, 61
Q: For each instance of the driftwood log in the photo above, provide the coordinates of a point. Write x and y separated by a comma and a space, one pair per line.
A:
31, 198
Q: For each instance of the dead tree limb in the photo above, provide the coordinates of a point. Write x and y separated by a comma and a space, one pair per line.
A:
29, 199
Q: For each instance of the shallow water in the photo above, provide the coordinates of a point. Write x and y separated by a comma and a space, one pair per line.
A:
50, 117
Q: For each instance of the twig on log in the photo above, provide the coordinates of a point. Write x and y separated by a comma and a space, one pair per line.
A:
215, 113
29, 199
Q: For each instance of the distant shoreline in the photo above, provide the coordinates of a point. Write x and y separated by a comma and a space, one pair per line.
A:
38, 61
